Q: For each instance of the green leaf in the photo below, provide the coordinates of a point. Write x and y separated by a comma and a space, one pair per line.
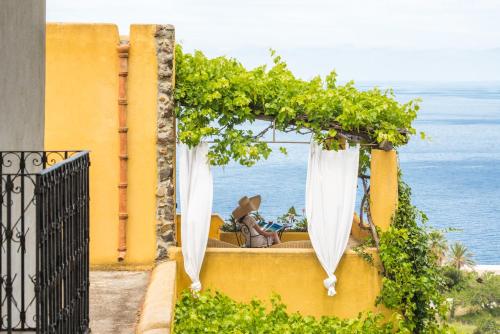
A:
218, 97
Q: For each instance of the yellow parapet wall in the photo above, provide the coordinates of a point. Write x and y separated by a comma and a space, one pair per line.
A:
295, 274
216, 222
81, 112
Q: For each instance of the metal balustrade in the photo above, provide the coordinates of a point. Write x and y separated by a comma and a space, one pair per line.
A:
44, 241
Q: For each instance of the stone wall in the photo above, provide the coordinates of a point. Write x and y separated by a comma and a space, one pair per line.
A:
165, 196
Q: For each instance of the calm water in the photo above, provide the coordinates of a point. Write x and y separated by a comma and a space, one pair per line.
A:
455, 174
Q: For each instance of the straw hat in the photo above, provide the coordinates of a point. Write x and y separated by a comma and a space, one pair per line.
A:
246, 205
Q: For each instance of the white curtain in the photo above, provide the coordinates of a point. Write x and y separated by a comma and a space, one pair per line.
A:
196, 190
330, 200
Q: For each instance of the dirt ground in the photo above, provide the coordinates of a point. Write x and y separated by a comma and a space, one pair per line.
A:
115, 300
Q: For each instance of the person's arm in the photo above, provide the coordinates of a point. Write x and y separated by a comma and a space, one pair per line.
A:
261, 231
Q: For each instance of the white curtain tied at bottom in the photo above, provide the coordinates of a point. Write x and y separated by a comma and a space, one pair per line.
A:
330, 199
196, 192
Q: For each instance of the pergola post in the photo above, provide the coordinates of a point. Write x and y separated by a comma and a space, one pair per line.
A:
383, 187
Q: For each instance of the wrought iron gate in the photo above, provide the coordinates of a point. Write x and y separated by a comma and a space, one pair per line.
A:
44, 239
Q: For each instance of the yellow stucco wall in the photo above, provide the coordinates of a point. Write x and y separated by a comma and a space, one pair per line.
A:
82, 113
216, 222
383, 187
295, 274
142, 103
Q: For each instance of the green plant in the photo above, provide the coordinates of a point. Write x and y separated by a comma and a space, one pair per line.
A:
297, 222
481, 293
487, 326
460, 256
290, 217
361, 250
477, 297
412, 281
216, 98
216, 313
454, 279
300, 225
230, 225
438, 245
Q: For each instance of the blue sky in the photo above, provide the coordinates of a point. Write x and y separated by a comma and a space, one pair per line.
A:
364, 40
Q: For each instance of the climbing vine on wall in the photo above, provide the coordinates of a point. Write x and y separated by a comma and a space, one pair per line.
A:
412, 279
216, 98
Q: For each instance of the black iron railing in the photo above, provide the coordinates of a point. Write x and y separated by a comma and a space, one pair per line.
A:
44, 221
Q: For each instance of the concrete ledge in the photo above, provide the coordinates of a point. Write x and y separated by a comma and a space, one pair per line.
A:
158, 308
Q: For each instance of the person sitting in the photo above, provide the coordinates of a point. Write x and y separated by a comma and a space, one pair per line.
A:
255, 236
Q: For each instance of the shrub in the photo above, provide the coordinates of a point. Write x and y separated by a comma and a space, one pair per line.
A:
485, 293
230, 225
454, 279
216, 313
487, 326
297, 222
479, 293
412, 281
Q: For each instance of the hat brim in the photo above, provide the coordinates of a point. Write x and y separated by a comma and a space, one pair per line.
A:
247, 205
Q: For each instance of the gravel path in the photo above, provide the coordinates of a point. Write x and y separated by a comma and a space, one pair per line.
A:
115, 300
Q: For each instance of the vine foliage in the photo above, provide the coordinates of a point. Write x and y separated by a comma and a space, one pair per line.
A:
412, 281
217, 98
216, 313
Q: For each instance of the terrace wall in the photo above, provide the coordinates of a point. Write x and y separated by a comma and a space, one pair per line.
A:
295, 274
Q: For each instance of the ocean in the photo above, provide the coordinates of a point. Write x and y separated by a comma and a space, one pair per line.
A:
454, 173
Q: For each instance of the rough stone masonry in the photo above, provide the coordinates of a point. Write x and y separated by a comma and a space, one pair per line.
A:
165, 158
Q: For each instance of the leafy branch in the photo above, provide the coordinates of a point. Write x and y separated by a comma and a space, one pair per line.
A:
217, 98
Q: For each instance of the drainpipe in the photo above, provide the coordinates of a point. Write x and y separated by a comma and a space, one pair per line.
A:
123, 50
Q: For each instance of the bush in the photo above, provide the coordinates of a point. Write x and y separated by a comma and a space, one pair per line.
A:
454, 279
485, 293
480, 293
297, 222
487, 326
230, 225
412, 282
216, 313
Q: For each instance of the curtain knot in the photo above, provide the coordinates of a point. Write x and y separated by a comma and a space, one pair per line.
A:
196, 286
329, 284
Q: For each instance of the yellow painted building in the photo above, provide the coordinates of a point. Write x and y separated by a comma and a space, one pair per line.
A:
82, 113
82, 86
